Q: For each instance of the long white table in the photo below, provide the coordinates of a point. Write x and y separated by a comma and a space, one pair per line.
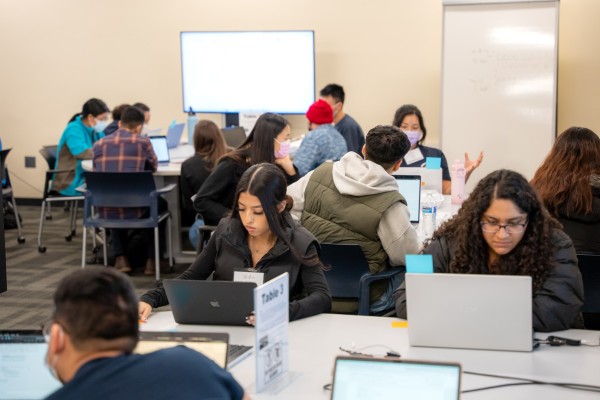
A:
314, 342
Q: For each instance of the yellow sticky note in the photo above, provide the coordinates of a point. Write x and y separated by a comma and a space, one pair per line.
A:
399, 324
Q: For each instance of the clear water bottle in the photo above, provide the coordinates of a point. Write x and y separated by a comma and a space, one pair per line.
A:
429, 211
457, 188
192, 120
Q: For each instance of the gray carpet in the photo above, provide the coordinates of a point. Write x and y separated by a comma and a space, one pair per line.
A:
33, 276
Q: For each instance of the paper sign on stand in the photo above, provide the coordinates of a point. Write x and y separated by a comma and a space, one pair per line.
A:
247, 120
271, 311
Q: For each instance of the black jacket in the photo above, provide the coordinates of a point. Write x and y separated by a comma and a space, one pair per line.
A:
584, 229
194, 172
556, 305
227, 250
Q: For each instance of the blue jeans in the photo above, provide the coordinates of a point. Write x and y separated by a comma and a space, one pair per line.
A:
194, 232
386, 301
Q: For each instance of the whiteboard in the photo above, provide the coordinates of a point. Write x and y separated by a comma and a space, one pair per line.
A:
499, 80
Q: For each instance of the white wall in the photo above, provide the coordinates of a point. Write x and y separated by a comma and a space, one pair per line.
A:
57, 54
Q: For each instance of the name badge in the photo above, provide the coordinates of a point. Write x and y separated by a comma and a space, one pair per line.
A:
413, 156
249, 276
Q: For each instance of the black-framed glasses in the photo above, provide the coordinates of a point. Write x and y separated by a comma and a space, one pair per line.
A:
492, 227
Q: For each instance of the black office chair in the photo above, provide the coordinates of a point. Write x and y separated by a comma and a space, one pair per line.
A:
589, 265
349, 277
8, 194
125, 190
49, 196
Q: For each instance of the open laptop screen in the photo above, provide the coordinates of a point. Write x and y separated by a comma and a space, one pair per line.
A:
23, 372
409, 187
159, 145
360, 378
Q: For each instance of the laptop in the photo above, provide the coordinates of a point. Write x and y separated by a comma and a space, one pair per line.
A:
409, 187
161, 149
234, 135
431, 179
210, 302
470, 311
369, 378
23, 372
174, 135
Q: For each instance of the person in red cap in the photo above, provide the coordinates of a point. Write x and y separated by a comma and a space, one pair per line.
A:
323, 142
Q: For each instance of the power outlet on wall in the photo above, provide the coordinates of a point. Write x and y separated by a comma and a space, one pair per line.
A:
29, 162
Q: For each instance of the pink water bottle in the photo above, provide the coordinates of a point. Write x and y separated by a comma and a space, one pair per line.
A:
457, 189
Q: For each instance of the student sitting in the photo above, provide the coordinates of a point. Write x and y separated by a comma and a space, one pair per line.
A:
357, 201
93, 333
503, 229
260, 235
568, 183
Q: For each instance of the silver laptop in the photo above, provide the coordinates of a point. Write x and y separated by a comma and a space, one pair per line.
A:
161, 149
409, 187
488, 312
362, 378
431, 179
174, 135
210, 302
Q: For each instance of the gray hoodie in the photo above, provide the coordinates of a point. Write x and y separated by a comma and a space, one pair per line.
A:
354, 176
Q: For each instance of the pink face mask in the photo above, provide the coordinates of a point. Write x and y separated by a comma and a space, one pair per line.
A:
284, 149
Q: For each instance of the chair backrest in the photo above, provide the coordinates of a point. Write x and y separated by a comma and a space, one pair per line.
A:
3, 155
346, 265
49, 154
589, 265
119, 189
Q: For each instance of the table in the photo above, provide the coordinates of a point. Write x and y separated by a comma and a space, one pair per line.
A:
165, 175
314, 342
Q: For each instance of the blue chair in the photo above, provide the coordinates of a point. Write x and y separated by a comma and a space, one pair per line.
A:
589, 266
124, 190
8, 194
349, 276
50, 196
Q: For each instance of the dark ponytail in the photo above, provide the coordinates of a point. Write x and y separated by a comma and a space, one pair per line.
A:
92, 106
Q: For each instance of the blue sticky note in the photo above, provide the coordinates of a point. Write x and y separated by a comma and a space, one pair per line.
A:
433, 162
419, 263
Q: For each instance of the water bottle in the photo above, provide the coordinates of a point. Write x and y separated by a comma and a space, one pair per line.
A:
457, 189
191, 125
429, 211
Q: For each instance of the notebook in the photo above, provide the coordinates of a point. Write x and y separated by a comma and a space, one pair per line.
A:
470, 311
368, 378
212, 345
174, 135
210, 302
159, 145
234, 135
431, 179
22, 362
409, 187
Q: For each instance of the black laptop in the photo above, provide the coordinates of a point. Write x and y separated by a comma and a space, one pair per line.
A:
210, 302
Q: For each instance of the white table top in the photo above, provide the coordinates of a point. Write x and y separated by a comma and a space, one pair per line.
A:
314, 342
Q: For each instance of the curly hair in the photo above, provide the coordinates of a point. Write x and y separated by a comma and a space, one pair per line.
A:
532, 254
563, 180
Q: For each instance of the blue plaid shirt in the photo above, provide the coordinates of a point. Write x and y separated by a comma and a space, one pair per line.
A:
320, 145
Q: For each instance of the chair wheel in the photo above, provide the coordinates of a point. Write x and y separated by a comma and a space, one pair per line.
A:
42, 249
21, 239
48, 217
68, 238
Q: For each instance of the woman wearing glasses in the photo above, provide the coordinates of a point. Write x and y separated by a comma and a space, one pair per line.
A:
503, 229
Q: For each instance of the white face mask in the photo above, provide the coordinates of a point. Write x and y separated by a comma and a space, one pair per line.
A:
100, 126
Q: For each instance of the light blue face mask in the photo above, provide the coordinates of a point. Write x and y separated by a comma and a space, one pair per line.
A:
100, 126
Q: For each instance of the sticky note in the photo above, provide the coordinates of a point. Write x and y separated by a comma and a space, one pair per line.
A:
419, 263
433, 162
399, 324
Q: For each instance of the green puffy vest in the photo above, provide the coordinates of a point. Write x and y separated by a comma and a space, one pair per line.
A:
336, 218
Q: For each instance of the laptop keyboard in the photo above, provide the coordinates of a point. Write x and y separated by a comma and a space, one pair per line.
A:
21, 337
235, 353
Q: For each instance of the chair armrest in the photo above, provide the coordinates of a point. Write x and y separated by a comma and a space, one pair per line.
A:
365, 287
166, 189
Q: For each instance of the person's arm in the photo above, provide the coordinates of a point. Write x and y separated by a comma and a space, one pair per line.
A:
306, 154
151, 160
318, 297
557, 304
470, 166
210, 196
200, 269
440, 253
296, 192
286, 165
397, 235
75, 141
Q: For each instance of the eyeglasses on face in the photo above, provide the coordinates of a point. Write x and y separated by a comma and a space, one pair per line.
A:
492, 227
